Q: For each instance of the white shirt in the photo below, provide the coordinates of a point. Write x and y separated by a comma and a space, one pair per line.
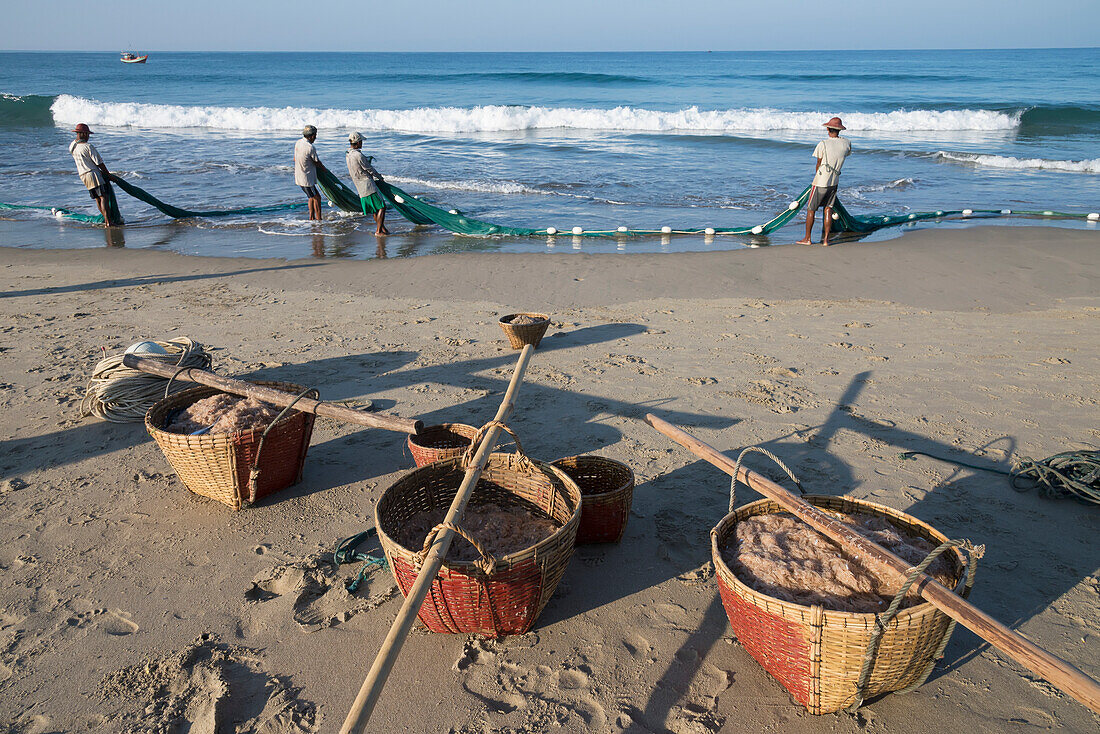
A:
362, 172
305, 163
87, 163
832, 152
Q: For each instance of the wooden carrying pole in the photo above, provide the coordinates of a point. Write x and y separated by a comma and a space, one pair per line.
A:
275, 397
1057, 671
371, 689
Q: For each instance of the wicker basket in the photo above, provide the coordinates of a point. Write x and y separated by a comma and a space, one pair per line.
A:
438, 443
520, 335
464, 597
817, 654
607, 488
221, 466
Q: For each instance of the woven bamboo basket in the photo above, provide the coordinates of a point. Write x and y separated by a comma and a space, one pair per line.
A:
520, 335
439, 443
817, 654
230, 467
492, 596
607, 488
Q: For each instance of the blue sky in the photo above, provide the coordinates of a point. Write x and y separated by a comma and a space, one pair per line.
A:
559, 25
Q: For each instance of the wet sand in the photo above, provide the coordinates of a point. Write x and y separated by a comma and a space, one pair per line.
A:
133, 605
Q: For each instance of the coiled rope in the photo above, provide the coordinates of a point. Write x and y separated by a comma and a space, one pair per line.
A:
120, 394
1068, 474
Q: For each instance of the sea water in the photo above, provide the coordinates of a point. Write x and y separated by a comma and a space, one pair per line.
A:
595, 140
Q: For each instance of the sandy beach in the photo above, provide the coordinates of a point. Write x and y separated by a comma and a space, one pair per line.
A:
131, 605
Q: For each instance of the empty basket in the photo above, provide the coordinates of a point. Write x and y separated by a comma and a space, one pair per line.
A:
438, 443
607, 488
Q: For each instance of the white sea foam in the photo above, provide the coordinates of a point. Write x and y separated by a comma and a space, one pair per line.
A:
495, 118
1009, 162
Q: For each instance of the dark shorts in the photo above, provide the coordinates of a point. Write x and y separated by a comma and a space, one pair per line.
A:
821, 197
372, 204
311, 192
98, 192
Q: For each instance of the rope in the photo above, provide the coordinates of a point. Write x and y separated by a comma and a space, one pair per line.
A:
881, 620
1073, 474
346, 553
770, 455
120, 394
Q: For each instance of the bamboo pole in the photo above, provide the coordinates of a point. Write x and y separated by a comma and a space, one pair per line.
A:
275, 397
371, 689
1055, 670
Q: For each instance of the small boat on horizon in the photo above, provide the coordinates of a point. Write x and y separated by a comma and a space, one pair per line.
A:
129, 57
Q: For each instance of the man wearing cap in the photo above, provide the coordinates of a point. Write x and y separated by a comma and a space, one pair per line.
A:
830, 154
306, 164
363, 176
92, 170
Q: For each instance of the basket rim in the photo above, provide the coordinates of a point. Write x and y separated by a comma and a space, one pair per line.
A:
597, 459
165, 403
413, 437
507, 318
792, 610
506, 561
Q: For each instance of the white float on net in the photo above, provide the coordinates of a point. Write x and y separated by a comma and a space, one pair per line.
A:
1093, 216
708, 230
621, 229
967, 212
793, 205
452, 211
758, 229
398, 198
1006, 211
578, 230
551, 230
666, 230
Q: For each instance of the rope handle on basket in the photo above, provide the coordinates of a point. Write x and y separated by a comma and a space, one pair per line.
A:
881, 620
475, 443
737, 471
254, 472
175, 374
487, 563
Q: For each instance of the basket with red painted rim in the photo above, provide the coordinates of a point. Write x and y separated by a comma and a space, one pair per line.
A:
607, 489
240, 467
818, 654
492, 596
439, 443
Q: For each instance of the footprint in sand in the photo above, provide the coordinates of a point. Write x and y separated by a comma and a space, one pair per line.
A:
210, 687
318, 594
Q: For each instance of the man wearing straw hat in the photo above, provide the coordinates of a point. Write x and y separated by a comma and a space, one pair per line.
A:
830, 154
92, 170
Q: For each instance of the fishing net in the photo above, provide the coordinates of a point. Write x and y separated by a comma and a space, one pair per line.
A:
176, 213
421, 212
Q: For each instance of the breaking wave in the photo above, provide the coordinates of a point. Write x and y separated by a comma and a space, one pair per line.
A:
1012, 163
497, 118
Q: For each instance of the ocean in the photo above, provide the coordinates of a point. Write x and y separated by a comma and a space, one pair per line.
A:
596, 140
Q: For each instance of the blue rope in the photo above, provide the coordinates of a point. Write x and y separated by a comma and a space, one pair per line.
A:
345, 553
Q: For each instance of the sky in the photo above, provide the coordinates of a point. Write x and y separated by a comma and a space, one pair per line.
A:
531, 25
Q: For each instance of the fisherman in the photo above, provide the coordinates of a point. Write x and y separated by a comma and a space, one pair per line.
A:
363, 176
92, 171
830, 154
306, 164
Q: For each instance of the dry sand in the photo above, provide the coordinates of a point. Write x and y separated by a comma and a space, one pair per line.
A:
131, 605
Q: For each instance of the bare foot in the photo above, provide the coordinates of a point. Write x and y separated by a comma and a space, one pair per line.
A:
804, 242
824, 243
